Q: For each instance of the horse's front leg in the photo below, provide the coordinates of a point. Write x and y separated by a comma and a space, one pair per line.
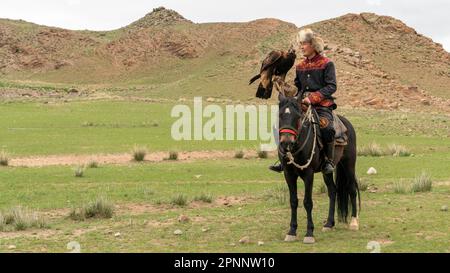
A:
329, 181
308, 179
291, 180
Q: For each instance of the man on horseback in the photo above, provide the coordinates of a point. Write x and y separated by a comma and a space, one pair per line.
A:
316, 82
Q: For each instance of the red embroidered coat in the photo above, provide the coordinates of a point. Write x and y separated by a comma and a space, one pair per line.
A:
317, 76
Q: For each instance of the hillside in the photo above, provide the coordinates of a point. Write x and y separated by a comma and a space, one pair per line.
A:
386, 62
381, 62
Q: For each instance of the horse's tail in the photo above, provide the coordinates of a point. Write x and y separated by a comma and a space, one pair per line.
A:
343, 193
346, 184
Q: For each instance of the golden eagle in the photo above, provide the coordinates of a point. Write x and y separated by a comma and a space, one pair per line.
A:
277, 63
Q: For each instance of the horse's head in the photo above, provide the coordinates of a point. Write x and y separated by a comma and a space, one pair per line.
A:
290, 115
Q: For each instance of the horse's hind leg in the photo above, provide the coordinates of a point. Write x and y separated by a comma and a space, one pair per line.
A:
353, 192
332, 191
329, 181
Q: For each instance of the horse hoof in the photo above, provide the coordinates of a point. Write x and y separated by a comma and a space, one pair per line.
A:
309, 240
354, 224
290, 238
327, 229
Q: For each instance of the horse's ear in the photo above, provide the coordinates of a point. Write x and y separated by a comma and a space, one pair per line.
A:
300, 104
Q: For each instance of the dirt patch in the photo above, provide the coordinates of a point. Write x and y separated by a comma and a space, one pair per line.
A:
223, 201
198, 219
157, 224
230, 200
370, 203
41, 234
137, 209
130, 209
385, 242
67, 160
79, 232
444, 183
55, 214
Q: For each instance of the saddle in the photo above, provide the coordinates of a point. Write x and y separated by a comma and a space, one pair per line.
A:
340, 137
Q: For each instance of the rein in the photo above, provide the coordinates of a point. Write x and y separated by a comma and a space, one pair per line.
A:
289, 155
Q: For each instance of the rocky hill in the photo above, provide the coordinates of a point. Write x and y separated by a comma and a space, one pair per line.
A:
381, 62
160, 17
386, 64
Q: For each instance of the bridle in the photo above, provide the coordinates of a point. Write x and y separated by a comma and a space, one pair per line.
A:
290, 155
289, 131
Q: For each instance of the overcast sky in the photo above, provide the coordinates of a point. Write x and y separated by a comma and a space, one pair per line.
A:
430, 17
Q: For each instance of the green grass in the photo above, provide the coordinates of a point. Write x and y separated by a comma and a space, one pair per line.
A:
204, 197
99, 208
79, 171
262, 154
373, 149
173, 155
92, 164
42, 129
179, 200
60, 128
363, 184
4, 159
151, 196
239, 154
19, 219
33, 86
384, 216
422, 183
278, 194
139, 153
398, 150
401, 187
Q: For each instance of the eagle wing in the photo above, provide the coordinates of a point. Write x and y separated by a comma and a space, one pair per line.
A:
272, 58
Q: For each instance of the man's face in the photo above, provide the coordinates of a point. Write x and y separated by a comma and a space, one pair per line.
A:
307, 49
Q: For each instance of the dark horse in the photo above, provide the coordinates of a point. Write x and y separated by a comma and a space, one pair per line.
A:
300, 154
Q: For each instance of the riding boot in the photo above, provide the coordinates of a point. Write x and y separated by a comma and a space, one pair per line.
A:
328, 167
277, 168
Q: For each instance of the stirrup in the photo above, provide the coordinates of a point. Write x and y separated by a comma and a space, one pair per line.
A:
328, 167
